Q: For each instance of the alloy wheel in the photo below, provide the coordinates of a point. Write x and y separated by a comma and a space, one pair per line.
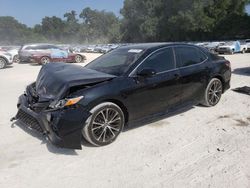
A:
106, 125
45, 60
214, 92
78, 59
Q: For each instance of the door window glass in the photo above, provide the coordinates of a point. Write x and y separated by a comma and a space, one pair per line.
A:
162, 60
187, 56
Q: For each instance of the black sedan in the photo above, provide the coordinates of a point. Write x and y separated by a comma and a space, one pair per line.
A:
96, 101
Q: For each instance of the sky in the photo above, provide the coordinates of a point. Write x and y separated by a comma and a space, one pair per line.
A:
31, 12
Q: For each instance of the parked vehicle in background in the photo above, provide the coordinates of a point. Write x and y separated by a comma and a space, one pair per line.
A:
213, 46
13, 50
248, 45
96, 101
232, 47
45, 53
5, 59
56, 56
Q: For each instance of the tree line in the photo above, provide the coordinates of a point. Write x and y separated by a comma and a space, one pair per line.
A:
141, 21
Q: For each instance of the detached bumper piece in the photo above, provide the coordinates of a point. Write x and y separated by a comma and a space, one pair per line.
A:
62, 127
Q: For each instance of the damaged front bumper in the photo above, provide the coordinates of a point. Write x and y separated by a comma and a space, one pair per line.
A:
62, 127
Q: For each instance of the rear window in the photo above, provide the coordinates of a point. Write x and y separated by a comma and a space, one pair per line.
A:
186, 56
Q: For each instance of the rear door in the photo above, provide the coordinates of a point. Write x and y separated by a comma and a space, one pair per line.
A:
194, 69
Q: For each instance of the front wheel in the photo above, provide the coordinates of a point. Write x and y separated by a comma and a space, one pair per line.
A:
3, 63
104, 125
16, 59
213, 93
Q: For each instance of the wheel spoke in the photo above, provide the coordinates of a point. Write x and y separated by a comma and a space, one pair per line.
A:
107, 114
114, 129
114, 120
96, 123
111, 132
100, 135
104, 118
99, 127
104, 135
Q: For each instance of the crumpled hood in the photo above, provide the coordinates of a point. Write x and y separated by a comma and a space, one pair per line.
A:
55, 79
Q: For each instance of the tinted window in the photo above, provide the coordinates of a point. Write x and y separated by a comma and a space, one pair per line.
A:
187, 56
160, 61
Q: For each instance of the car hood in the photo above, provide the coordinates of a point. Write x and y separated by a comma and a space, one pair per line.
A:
55, 79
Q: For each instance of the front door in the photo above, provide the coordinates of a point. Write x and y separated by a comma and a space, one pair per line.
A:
156, 93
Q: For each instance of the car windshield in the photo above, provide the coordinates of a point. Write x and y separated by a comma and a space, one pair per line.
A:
116, 62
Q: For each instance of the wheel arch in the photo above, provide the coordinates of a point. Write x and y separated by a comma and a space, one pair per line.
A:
118, 103
4, 58
222, 81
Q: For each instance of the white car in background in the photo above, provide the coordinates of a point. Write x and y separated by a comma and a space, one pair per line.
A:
248, 45
13, 50
232, 47
5, 59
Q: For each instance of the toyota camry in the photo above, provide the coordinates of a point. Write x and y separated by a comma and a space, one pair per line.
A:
68, 102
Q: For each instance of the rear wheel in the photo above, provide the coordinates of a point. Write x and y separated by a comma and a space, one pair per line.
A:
243, 51
213, 93
3, 63
78, 58
104, 125
44, 60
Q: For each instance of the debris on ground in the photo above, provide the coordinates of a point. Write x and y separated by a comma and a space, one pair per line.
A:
243, 90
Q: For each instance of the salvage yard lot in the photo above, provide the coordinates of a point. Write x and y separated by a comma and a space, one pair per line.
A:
200, 147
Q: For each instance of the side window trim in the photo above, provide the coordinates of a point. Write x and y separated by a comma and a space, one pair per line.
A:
133, 73
174, 47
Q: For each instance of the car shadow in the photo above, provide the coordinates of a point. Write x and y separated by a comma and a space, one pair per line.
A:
158, 117
242, 71
7, 67
44, 141
35, 65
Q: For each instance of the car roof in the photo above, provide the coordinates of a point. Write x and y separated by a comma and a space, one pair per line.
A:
146, 46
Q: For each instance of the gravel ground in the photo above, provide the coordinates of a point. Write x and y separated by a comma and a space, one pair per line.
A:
200, 147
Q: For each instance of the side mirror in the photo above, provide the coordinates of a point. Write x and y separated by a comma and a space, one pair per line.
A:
146, 72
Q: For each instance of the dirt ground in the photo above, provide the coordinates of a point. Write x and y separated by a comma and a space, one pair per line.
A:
200, 147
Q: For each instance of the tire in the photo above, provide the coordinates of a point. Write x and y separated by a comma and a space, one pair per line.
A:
44, 60
243, 51
213, 93
16, 59
3, 63
104, 125
78, 58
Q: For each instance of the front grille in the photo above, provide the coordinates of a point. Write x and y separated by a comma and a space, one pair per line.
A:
28, 120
